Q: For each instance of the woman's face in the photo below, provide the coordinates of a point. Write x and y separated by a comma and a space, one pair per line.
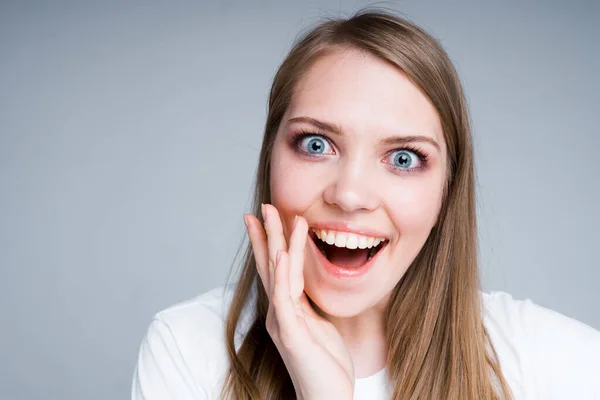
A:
360, 154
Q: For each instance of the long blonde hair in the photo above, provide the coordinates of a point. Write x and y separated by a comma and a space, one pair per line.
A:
438, 345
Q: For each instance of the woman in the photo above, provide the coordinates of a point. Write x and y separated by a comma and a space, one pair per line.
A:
361, 279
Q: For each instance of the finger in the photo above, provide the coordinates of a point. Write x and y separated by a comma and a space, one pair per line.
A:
282, 302
296, 255
258, 240
275, 238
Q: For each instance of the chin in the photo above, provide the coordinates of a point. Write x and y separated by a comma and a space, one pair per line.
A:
338, 304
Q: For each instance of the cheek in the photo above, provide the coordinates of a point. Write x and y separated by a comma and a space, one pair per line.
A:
295, 184
414, 207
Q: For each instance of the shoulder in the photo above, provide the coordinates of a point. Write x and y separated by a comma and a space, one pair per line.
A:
542, 352
204, 314
185, 346
198, 324
513, 317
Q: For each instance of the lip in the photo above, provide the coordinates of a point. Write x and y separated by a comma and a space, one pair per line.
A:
340, 272
349, 228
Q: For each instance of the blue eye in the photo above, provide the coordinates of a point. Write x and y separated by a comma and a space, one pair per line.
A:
315, 145
405, 159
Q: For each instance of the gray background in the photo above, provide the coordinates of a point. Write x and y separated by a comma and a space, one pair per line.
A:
129, 135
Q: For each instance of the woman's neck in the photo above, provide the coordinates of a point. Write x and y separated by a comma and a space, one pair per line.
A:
366, 339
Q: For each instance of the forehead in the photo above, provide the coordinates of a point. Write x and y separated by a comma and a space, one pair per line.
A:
362, 93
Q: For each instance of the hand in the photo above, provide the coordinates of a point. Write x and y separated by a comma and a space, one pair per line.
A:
312, 349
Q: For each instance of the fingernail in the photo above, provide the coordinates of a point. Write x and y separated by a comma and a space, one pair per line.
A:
278, 257
246, 220
295, 221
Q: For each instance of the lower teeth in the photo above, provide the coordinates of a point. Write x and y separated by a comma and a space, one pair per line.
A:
372, 253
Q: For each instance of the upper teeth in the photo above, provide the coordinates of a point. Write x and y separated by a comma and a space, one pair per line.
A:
348, 240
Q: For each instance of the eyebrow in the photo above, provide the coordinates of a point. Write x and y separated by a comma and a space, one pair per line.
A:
393, 140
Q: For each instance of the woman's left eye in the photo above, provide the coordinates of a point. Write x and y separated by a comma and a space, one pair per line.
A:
315, 145
407, 160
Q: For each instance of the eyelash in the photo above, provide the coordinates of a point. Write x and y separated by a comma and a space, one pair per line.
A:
299, 135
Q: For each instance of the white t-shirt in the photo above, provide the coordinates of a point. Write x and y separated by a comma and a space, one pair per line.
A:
543, 354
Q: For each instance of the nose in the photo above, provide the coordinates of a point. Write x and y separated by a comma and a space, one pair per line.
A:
352, 188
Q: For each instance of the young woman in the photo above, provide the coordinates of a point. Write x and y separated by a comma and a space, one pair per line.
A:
361, 279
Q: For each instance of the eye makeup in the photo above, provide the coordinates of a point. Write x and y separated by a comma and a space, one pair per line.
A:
298, 140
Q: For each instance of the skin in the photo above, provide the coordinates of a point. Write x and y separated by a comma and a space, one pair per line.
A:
355, 178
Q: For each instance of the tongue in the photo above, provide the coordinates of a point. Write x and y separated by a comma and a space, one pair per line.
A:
346, 258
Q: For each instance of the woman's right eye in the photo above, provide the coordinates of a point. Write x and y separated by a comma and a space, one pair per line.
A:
315, 145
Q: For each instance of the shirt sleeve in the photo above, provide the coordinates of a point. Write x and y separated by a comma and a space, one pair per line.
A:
161, 371
564, 354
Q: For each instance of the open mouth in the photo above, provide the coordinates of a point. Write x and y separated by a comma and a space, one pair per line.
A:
347, 250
